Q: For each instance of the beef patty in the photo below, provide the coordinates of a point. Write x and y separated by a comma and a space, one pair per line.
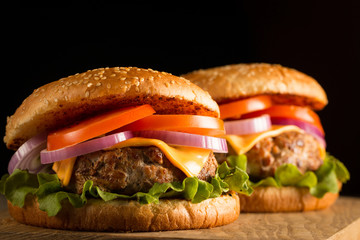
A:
300, 149
129, 170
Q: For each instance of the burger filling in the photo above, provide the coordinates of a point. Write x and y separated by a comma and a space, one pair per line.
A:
130, 170
299, 149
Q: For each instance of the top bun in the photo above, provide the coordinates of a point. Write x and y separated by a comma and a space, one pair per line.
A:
238, 81
76, 97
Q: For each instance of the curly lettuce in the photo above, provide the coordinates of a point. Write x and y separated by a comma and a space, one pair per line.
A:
319, 182
47, 188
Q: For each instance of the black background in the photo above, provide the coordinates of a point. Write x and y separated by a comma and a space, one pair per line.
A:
320, 38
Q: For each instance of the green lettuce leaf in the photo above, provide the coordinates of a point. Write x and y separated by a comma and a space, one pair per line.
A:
50, 194
323, 180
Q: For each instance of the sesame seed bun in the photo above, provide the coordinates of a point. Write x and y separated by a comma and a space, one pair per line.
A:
124, 215
238, 81
73, 98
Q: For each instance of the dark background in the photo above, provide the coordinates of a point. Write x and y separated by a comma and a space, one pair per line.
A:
320, 38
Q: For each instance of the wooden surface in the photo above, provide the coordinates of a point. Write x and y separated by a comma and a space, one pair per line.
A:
341, 221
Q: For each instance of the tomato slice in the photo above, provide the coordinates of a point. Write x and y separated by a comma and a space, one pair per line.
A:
238, 108
290, 111
96, 126
202, 125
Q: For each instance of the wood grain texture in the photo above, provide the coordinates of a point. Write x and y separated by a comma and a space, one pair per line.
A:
341, 221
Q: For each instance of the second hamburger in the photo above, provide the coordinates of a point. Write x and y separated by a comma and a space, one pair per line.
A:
271, 126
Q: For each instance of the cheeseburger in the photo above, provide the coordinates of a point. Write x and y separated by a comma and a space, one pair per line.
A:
272, 128
120, 149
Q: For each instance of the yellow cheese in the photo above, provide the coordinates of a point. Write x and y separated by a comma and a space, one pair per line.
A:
64, 169
243, 143
188, 159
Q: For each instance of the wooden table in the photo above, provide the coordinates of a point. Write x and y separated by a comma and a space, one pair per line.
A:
341, 221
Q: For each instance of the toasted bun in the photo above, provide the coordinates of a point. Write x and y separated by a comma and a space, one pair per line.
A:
69, 99
124, 215
284, 199
234, 82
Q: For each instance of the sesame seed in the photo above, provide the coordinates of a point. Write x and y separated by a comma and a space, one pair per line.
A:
96, 78
56, 100
122, 78
113, 75
124, 88
108, 85
89, 84
87, 94
151, 78
103, 78
167, 84
172, 81
98, 84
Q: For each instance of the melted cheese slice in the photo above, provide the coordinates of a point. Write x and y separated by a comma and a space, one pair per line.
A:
243, 143
64, 169
188, 159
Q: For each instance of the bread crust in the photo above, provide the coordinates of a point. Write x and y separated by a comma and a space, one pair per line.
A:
124, 215
73, 98
240, 81
284, 199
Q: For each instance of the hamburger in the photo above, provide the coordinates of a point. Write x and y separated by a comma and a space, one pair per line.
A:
271, 126
120, 149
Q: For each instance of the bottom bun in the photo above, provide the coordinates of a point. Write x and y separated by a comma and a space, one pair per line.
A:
284, 199
125, 215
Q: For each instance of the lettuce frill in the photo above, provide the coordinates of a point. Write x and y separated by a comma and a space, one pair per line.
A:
319, 182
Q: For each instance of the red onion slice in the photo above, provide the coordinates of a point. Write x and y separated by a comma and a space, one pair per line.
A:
84, 147
248, 126
187, 139
27, 156
307, 127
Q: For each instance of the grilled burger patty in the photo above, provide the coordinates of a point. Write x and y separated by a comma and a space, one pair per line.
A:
299, 149
129, 170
